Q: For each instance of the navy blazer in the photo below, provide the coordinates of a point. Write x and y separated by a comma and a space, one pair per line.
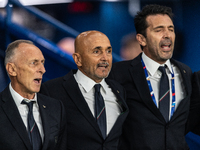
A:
194, 116
13, 133
83, 132
145, 127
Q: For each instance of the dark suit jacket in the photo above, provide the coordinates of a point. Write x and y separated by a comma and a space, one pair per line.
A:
83, 132
194, 116
13, 133
145, 127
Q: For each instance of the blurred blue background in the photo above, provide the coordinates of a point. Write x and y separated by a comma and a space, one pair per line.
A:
114, 18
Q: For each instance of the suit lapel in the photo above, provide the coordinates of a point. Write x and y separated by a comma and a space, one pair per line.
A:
139, 78
72, 88
44, 113
187, 85
184, 75
121, 101
13, 115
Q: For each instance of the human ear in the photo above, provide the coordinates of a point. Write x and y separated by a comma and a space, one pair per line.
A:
77, 59
141, 39
11, 69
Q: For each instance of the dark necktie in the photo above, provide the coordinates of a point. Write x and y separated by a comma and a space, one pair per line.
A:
100, 112
164, 94
33, 131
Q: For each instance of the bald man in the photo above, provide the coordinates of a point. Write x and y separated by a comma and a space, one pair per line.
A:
93, 57
29, 120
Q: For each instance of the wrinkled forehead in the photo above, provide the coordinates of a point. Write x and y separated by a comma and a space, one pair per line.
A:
28, 50
97, 40
158, 19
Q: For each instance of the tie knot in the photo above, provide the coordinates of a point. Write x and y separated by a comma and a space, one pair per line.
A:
97, 87
29, 104
162, 69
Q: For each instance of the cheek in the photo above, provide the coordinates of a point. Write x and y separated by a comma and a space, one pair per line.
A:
89, 67
155, 43
26, 75
151, 43
110, 63
173, 38
21, 74
110, 58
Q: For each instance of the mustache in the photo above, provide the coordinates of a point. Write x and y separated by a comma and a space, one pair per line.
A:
105, 64
166, 41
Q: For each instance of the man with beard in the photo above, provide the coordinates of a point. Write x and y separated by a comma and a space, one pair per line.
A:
158, 87
93, 123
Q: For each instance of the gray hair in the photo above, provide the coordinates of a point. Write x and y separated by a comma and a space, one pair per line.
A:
10, 51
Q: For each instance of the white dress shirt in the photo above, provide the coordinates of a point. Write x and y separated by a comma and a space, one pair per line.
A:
86, 86
155, 75
23, 110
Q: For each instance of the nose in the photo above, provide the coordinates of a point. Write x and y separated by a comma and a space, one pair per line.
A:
104, 56
42, 69
166, 34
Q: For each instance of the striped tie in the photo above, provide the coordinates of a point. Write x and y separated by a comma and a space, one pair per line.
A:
164, 94
33, 131
100, 112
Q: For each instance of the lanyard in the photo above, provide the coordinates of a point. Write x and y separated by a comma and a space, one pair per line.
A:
151, 89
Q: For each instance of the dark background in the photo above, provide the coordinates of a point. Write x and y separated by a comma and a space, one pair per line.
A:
114, 19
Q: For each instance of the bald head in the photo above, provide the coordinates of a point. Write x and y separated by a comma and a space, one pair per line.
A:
84, 39
93, 54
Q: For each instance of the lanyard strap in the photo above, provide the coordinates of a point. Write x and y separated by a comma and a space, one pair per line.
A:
151, 89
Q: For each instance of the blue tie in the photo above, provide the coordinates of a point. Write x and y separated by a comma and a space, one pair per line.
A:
33, 131
100, 112
164, 94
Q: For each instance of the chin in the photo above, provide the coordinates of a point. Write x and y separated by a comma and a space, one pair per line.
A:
166, 57
100, 77
169, 57
36, 90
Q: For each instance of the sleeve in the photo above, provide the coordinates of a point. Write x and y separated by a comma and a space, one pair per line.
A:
193, 123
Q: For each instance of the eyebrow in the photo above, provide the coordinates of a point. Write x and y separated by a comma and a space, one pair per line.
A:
171, 26
37, 60
109, 47
98, 47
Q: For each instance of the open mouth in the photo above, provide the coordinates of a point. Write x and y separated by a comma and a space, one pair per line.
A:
166, 44
38, 80
104, 65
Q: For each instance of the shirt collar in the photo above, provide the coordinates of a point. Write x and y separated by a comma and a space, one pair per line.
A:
153, 66
86, 82
18, 98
